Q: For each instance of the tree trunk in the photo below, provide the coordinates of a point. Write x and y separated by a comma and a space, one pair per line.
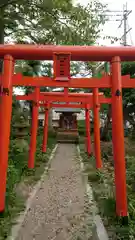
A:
104, 134
1, 34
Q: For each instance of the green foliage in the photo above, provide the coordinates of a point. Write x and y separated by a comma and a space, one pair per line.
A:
106, 136
15, 108
108, 206
103, 189
130, 166
60, 22
56, 21
81, 127
93, 176
16, 167
19, 116
128, 68
18, 173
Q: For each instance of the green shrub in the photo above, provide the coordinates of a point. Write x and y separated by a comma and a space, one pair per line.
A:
108, 207
18, 171
93, 176
82, 132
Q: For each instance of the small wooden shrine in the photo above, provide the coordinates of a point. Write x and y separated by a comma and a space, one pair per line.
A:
67, 130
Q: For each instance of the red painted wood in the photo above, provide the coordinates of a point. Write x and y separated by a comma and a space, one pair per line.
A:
96, 107
104, 82
45, 134
60, 97
88, 138
61, 66
78, 53
34, 128
6, 110
118, 139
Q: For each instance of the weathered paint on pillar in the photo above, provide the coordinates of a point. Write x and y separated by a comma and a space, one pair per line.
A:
96, 128
46, 121
6, 110
118, 139
34, 129
88, 138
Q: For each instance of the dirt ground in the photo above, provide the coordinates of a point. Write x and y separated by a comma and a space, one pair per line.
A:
60, 209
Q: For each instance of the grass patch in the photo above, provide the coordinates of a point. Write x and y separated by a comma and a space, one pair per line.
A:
20, 175
104, 192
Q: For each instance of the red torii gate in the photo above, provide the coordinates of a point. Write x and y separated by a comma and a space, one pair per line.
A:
85, 100
62, 56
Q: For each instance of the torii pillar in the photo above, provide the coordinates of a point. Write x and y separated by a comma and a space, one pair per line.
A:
88, 138
97, 147
46, 121
6, 111
118, 139
34, 129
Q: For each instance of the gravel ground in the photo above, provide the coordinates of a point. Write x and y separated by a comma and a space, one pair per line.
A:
60, 210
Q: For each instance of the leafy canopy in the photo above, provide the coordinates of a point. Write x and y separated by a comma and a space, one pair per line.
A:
47, 22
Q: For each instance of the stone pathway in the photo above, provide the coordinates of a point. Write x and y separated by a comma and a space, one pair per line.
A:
60, 210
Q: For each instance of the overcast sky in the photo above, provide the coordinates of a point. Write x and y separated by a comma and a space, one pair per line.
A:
111, 27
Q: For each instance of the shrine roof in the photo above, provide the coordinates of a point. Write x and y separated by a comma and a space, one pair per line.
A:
72, 110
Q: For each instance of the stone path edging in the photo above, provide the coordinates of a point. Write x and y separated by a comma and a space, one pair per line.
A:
99, 232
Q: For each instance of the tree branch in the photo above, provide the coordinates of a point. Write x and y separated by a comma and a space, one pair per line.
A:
53, 15
8, 2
